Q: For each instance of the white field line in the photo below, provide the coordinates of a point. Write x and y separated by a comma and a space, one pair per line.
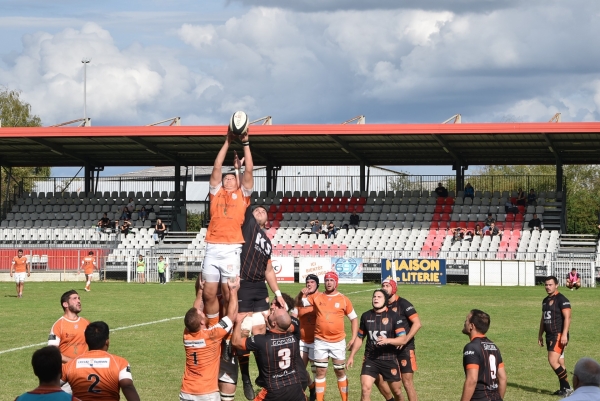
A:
117, 329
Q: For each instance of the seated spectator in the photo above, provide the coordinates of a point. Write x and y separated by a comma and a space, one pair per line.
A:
143, 215
159, 230
103, 223
521, 198
47, 366
478, 230
532, 198
441, 191
535, 223
494, 230
126, 226
315, 227
324, 228
331, 230
510, 207
457, 234
128, 209
469, 191
354, 220
468, 236
487, 223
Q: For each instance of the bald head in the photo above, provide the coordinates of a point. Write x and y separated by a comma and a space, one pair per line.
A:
282, 319
587, 373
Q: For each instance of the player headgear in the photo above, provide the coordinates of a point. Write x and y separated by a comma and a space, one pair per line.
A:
392, 284
313, 277
386, 297
333, 276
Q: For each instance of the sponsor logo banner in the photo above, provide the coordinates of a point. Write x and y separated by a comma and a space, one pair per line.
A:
349, 270
318, 266
284, 268
415, 271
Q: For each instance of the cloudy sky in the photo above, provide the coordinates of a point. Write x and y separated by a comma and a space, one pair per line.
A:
304, 61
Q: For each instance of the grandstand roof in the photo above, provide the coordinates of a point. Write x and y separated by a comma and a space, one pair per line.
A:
373, 144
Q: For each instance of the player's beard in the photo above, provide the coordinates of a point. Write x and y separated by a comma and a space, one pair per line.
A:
74, 309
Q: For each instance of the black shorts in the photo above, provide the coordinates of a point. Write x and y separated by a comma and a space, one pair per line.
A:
389, 370
253, 297
407, 360
289, 393
228, 368
553, 343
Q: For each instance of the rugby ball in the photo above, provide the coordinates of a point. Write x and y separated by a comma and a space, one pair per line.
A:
239, 122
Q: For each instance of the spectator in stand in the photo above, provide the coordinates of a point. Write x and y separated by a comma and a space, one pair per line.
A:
125, 227
487, 223
494, 230
354, 220
324, 228
532, 198
469, 191
128, 209
535, 223
441, 191
457, 234
159, 230
510, 207
331, 230
143, 215
521, 197
103, 223
315, 227
468, 236
478, 230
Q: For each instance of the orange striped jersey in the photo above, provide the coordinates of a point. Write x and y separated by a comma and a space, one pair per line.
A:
380, 324
482, 354
88, 264
227, 215
95, 375
202, 355
20, 264
68, 336
330, 311
307, 317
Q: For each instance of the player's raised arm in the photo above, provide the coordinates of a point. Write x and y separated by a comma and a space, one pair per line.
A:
272, 281
199, 302
248, 179
301, 295
129, 390
237, 340
232, 306
217, 173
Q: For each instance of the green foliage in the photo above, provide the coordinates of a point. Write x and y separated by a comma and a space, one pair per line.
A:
195, 221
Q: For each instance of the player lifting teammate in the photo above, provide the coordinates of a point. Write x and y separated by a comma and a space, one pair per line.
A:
330, 337
485, 377
384, 332
406, 355
555, 322
88, 264
20, 267
307, 317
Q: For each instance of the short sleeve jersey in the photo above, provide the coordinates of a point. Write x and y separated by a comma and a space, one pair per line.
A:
227, 211
407, 313
307, 317
277, 357
380, 324
256, 251
68, 336
552, 307
202, 352
88, 264
46, 394
20, 264
95, 375
482, 354
330, 311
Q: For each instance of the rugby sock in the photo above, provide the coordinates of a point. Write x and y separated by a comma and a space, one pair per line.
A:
320, 389
391, 399
343, 387
243, 360
562, 377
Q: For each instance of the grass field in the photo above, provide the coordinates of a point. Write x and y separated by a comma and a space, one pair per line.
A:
149, 319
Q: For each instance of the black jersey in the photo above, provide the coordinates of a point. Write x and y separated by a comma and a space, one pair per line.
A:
552, 307
481, 353
256, 250
407, 311
277, 357
380, 324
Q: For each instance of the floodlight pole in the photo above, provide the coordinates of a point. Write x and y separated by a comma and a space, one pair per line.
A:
85, 62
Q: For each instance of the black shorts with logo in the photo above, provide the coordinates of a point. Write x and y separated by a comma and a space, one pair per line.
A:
253, 297
407, 360
389, 370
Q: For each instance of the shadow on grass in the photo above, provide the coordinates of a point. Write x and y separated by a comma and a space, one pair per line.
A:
529, 389
10, 296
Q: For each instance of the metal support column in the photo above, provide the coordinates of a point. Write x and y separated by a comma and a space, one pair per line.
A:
460, 176
559, 176
362, 177
269, 177
177, 188
87, 178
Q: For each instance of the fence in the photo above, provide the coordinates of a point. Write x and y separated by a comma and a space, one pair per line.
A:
151, 271
110, 184
50, 259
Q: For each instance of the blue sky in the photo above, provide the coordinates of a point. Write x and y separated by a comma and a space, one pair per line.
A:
306, 61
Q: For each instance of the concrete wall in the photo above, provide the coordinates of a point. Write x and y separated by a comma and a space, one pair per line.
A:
50, 276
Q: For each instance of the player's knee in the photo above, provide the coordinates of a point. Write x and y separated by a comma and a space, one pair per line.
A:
313, 368
339, 366
321, 365
227, 397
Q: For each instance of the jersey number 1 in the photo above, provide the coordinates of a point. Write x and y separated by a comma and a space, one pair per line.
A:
96, 379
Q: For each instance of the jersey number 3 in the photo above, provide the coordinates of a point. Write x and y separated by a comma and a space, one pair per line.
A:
96, 380
284, 358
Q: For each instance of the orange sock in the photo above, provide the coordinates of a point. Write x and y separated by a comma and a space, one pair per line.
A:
343, 387
320, 389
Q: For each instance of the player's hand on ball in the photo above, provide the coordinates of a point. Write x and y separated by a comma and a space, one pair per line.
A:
237, 162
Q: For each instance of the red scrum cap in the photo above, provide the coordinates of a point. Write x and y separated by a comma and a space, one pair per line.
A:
392, 284
332, 276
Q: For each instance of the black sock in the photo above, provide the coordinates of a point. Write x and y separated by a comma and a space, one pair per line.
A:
391, 399
562, 377
243, 360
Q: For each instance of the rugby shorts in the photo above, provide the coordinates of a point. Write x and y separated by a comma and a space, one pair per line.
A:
253, 297
553, 344
389, 370
20, 277
407, 360
325, 350
221, 262
216, 396
308, 349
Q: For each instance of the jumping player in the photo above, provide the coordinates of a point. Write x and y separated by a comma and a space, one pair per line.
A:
384, 332
307, 317
555, 322
67, 333
406, 355
20, 266
229, 199
88, 264
202, 342
574, 280
330, 336
485, 377
98, 375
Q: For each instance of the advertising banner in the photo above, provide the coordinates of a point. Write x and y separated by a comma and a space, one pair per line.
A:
349, 270
284, 268
415, 271
318, 266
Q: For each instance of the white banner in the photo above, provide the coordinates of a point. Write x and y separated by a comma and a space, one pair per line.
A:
318, 266
284, 268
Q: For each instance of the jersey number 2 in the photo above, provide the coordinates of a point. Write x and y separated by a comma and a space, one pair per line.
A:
96, 379
284, 358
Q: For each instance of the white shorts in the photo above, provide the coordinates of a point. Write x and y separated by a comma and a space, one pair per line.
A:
20, 277
309, 349
325, 350
204, 397
221, 262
